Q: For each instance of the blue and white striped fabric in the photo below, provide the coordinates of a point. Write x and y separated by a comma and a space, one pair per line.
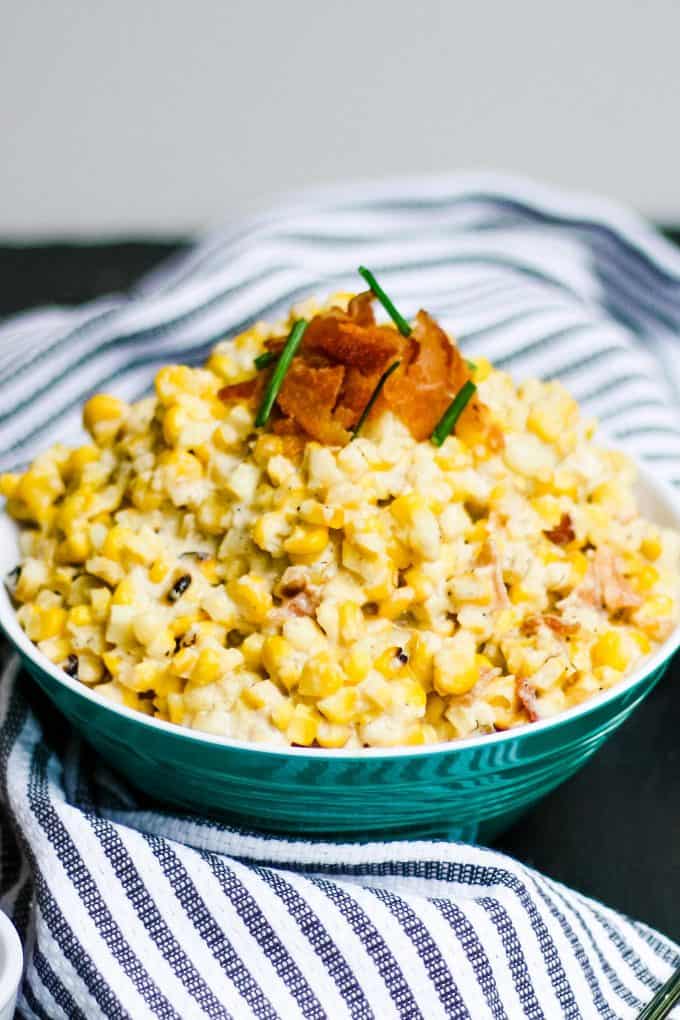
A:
128, 910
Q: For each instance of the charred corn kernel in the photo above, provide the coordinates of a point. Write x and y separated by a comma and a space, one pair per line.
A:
8, 484
320, 678
647, 577
102, 408
80, 616
391, 662
357, 665
251, 594
125, 593
252, 697
340, 707
158, 571
351, 621
331, 734
609, 650
208, 668
282, 714
306, 541
651, 546
302, 728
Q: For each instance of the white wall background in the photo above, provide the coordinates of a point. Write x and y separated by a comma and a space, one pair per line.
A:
144, 116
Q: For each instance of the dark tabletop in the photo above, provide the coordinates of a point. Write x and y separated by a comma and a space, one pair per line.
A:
612, 831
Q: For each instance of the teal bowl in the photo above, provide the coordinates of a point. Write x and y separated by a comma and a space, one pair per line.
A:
468, 790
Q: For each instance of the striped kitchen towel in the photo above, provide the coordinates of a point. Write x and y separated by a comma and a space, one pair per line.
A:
129, 910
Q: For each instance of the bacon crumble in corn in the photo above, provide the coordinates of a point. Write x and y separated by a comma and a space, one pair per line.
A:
388, 592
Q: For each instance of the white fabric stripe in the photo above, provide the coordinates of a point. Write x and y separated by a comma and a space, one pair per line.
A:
360, 962
178, 923
65, 970
245, 944
311, 967
42, 994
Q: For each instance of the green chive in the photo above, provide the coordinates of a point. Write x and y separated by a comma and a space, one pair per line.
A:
274, 385
396, 317
262, 360
374, 396
448, 420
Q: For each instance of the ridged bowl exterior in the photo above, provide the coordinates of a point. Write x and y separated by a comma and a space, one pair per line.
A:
469, 793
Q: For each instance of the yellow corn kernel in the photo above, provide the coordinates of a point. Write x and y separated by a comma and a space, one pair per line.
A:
144, 676
81, 457
252, 596
609, 650
456, 669
478, 532
176, 708
252, 697
419, 583
251, 650
175, 420
282, 714
276, 651
332, 734
357, 665
306, 541
115, 543
100, 599
409, 692
143, 496
482, 370
320, 678
302, 728
8, 484
506, 619
180, 625
403, 508
389, 662
415, 735
579, 565
74, 549
158, 571
102, 408
544, 423
208, 668
647, 577
642, 641
351, 621
340, 707
183, 662
396, 604
125, 593
50, 623
518, 594
80, 616
221, 364
420, 660
209, 570
377, 689
182, 464
651, 546
112, 661
171, 380
436, 706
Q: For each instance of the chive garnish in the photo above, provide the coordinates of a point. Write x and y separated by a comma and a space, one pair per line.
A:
275, 383
453, 412
374, 396
262, 360
396, 317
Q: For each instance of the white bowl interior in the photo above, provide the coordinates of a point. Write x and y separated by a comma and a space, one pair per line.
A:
11, 965
656, 499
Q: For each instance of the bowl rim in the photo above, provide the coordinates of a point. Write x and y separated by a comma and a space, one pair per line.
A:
658, 487
12, 961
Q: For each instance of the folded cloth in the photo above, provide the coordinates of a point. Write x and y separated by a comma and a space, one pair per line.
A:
127, 909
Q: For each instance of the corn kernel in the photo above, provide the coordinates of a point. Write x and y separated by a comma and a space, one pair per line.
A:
351, 622
332, 734
320, 678
80, 616
51, 622
8, 484
646, 578
175, 421
357, 665
651, 546
252, 697
302, 728
340, 707
609, 650
282, 714
102, 409
252, 596
125, 593
158, 571
208, 668
306, 541
176, 708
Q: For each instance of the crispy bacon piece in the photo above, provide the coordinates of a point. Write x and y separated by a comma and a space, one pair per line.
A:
309, 395
251, 389
527, 698
368, 348
558, 626
617, 593
563, 533
360, 308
